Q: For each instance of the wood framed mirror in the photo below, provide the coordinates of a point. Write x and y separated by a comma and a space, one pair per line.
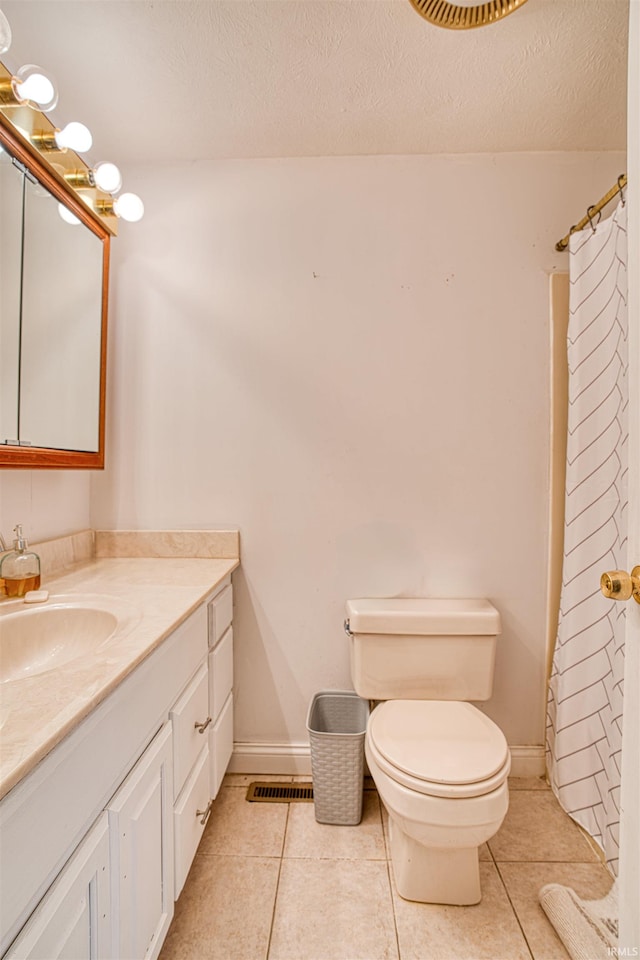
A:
54, 280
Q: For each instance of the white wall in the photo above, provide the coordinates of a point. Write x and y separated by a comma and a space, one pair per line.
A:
348, 359
48, 503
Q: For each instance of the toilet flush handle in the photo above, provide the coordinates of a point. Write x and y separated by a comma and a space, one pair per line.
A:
347, 628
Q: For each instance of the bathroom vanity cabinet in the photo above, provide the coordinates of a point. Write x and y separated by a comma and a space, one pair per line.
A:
98, 839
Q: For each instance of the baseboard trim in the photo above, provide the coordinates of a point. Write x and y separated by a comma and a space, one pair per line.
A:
528, 761
294, 759
287, 759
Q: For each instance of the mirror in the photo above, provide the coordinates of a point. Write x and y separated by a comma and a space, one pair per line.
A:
53, 316
11, 195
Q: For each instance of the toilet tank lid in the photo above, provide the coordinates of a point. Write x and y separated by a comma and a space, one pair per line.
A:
423, 616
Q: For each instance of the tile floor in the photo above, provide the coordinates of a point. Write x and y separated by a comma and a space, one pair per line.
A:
270, 882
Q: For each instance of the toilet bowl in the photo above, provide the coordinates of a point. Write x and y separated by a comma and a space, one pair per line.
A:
441, 771
439, 763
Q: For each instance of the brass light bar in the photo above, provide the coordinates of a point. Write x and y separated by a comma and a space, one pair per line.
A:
24, 123
7, 96
593, 210
105, 208
79, 178
44, 140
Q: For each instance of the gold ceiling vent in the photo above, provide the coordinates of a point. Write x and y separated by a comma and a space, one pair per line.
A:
453, 16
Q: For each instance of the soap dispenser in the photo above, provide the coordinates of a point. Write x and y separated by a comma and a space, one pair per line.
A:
20, 569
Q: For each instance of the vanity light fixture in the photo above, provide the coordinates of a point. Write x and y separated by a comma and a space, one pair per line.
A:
5, 33
30, 87
128, 206
105, 175
74, 136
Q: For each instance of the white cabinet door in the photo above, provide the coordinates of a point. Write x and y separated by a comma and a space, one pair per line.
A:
72, 921
141, 832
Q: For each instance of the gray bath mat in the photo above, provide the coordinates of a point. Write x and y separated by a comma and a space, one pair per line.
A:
587, 928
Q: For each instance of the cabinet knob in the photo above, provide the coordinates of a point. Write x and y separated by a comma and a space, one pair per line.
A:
201, 727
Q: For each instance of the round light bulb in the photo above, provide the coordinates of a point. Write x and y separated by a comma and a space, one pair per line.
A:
107, 177
32, 86
37, 87
5, 33
129, 207
75, 136
67, 216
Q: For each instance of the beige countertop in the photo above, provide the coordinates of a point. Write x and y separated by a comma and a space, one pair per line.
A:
156, 595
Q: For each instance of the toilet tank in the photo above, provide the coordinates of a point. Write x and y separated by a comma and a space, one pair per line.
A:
422, 648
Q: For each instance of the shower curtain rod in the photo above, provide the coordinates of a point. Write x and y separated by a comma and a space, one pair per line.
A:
592, 211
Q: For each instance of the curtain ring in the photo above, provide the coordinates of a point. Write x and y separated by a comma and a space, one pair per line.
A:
590, 216
620, 188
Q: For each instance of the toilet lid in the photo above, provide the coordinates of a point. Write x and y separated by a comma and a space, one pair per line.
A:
441, 741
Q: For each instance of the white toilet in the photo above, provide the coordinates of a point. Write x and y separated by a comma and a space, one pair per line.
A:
440, 765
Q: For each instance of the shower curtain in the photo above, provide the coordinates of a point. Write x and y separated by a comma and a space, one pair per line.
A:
584, 709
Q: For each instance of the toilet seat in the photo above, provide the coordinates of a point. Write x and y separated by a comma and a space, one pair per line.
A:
441, 748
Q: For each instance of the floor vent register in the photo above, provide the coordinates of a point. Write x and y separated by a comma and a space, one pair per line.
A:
273, 792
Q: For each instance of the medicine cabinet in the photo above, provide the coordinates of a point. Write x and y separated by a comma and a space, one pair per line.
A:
54, 267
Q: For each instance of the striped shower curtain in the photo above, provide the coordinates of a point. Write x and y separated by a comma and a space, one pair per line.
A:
584, 710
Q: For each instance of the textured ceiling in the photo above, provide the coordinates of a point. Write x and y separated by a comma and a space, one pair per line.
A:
188, 79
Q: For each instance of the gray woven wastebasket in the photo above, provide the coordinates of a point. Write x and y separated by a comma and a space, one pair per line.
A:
337, 722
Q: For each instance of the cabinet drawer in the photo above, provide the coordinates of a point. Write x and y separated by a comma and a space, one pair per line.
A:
220, 674
192, 708
190, 808
220, 615
221, 745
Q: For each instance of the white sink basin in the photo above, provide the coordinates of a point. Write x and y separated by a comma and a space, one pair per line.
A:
38, 638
